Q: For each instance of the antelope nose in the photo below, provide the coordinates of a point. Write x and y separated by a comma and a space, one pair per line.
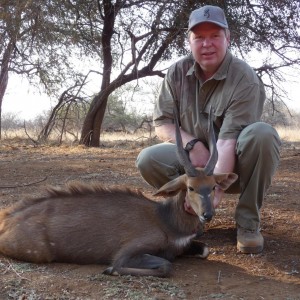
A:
207, 216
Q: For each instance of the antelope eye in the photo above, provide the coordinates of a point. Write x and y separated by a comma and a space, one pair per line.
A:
191, 189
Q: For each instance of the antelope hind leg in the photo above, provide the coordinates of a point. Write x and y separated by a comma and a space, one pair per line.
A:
142, 265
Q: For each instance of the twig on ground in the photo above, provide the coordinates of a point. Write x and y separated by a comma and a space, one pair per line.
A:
11, 268
23, 184
219, 276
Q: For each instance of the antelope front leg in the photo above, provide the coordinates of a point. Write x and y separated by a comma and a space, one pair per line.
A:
141, 265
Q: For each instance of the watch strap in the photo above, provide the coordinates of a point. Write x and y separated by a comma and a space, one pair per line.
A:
190, 145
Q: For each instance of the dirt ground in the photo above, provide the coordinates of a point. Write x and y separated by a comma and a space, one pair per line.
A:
225, 274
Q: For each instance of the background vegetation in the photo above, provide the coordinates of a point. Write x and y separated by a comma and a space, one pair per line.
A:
121, 122
59, 46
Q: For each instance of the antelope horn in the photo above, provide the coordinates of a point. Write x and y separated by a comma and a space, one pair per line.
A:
212, 146
183, 157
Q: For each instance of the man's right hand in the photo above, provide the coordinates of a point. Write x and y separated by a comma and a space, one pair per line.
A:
218, 196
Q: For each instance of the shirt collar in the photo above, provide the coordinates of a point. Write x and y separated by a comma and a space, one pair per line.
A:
221, 72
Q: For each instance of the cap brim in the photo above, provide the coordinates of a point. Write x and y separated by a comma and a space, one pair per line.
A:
214, 22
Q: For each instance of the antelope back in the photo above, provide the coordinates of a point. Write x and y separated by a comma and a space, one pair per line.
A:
81, 224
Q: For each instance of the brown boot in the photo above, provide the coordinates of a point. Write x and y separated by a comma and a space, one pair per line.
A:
249, 241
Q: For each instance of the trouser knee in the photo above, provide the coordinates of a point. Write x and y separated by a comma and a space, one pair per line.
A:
158, 164
259, 136
143, 160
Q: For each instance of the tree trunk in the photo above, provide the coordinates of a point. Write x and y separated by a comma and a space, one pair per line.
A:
3, 86
90, 134
4, 76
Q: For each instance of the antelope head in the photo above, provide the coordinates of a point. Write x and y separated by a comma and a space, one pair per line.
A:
198, 183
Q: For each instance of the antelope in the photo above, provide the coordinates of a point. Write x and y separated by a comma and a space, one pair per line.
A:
133, 234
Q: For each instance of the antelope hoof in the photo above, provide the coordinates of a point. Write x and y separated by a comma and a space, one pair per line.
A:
197, 249
204, 254
110, 271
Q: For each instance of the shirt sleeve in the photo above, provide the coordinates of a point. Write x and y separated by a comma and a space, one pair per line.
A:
163, 108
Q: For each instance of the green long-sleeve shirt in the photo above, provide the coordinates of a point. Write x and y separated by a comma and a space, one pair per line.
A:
235, 92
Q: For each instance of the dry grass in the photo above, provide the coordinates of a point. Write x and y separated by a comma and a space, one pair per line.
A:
289, 134
106, 137
123, 136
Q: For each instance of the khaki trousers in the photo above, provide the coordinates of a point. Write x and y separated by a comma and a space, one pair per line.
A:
257, 152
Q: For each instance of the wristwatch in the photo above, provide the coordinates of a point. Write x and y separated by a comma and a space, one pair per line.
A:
190, 145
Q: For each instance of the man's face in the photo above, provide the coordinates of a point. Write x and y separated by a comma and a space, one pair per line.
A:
208, 43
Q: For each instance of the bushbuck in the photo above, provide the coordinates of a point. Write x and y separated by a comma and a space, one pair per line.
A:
90, 224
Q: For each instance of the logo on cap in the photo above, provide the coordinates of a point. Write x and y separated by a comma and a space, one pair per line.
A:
206, 13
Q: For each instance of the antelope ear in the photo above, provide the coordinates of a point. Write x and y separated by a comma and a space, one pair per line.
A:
173, 187
225, 180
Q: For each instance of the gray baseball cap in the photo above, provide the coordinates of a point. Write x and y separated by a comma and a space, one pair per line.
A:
208, 13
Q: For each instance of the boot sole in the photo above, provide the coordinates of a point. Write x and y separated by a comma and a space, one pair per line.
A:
250, 250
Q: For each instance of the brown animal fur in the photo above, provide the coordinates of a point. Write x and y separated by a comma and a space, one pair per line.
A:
87, 224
